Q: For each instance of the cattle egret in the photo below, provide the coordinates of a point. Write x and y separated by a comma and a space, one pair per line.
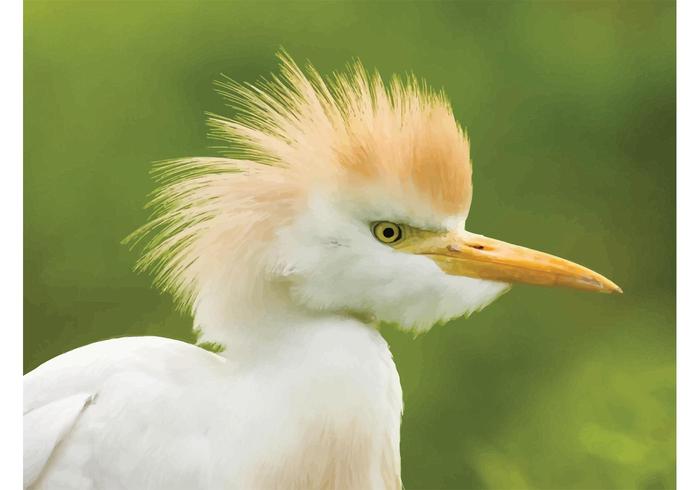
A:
340, 204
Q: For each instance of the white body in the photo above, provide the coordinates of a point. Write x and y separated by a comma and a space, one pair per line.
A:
154, 413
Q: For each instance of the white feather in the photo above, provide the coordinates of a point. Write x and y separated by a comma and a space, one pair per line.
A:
45, 428
314, 406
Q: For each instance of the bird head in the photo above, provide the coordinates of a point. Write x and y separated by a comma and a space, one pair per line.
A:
344, 195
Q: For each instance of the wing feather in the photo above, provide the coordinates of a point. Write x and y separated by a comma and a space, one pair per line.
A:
45, 427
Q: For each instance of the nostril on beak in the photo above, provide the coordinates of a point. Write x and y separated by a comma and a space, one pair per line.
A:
456, 249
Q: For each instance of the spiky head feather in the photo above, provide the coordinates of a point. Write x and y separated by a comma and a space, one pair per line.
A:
292, 135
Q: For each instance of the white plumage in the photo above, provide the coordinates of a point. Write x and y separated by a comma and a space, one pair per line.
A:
275, 250
148, 412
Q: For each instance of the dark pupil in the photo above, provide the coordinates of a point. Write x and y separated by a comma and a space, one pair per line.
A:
388, 232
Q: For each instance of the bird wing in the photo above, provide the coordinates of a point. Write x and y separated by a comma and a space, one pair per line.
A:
83, 407
45, 427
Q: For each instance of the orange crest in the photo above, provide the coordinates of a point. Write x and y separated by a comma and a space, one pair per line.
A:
291, 135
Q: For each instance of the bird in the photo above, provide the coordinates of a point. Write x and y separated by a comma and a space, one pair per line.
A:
335, 204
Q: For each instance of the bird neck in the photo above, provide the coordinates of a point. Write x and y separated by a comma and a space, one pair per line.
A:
249, 326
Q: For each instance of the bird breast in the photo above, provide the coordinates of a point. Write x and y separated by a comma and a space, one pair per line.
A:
334, 413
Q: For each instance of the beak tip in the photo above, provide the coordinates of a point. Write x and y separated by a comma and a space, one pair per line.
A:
611, 287
599, 283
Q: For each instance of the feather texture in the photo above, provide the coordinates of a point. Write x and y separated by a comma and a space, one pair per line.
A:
292, 134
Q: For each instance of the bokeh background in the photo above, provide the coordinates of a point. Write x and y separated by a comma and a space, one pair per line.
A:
570, 108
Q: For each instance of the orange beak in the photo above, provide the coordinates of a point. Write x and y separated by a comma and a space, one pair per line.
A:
467, 254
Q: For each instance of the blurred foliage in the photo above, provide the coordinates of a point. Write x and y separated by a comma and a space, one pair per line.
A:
570, 108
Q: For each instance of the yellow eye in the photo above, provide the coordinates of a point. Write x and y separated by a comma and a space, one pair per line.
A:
386, 232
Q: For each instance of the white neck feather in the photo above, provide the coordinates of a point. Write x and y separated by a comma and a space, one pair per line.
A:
249, 323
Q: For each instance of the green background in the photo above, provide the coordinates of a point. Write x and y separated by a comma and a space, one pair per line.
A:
570, 108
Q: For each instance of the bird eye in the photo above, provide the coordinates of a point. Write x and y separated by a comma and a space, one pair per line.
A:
386, 232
